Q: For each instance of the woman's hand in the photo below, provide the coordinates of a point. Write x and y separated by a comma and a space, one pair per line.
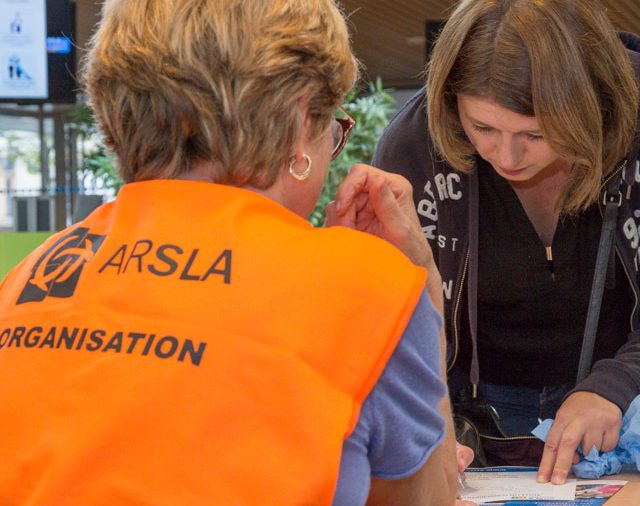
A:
585, 418
464, 457
381, 203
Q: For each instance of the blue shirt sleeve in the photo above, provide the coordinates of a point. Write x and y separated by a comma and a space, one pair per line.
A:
400, 422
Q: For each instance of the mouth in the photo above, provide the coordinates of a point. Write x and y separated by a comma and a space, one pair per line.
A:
512, 172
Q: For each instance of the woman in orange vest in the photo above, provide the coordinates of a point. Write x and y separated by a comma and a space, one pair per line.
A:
196, 341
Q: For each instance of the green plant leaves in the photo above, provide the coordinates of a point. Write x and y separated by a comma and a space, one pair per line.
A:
371, 108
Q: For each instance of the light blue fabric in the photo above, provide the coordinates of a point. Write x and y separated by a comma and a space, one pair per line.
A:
625, 457
399, 424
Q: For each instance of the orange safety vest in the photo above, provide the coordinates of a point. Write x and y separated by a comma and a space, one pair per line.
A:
192, 343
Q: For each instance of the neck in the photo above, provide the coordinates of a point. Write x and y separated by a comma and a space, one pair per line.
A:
203, 171
546, 186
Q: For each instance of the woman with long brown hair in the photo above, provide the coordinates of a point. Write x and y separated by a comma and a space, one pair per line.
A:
530, 108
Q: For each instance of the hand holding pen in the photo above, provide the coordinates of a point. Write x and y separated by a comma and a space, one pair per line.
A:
464, 457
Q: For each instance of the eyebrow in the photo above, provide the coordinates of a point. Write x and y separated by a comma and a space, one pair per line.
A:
483, 124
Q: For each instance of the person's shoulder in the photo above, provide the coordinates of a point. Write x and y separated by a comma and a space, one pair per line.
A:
410, 123
631, 42
356, 245
405, 147
364, 261
414, 110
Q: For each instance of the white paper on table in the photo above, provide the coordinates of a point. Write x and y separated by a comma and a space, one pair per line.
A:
509, 484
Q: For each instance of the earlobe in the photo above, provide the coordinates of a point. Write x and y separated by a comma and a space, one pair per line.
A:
293, 162
300, 163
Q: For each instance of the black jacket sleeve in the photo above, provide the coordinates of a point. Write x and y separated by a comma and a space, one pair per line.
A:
616, 379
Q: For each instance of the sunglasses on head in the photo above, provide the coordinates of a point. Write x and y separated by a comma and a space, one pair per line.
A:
340, 128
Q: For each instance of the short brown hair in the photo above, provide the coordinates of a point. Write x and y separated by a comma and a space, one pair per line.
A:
558, 60
178, 81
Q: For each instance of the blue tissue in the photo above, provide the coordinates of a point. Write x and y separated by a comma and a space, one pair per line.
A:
625, 457
543, 429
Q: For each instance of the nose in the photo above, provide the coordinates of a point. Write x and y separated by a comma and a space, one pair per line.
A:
509, 152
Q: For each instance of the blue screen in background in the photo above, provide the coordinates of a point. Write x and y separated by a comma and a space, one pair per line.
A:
58, 45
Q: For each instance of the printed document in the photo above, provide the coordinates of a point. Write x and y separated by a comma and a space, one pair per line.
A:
512, 483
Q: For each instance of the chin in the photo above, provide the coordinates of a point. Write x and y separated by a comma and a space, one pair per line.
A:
515, 175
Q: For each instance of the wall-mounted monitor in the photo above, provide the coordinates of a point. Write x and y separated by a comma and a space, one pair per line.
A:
37, 56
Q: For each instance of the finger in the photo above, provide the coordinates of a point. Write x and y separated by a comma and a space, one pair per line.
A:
576, 458
365, 213
360, 201
347, 218
464, 457
611, 435
550, 452
571, 438
330, 213
386, 206
391, 221
402, 190
591, 439
353, 184
379, 200
400, 186
610, 439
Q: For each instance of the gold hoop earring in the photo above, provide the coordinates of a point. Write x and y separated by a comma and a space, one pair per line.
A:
300, 176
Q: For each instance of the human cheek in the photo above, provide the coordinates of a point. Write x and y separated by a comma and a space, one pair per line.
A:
545, 156
484, 146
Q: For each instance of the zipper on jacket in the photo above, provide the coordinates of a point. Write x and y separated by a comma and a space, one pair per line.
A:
456, 307
495, 438
549, 252
616, 171
633, 288
509, 438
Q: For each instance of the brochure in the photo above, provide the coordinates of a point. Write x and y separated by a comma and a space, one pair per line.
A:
517, 486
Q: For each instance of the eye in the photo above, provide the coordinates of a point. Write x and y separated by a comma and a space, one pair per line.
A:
533, 137
480, 128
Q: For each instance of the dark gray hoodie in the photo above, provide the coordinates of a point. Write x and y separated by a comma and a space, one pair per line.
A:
447, 204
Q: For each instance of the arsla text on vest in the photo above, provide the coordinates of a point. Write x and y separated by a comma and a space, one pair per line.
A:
168, 260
